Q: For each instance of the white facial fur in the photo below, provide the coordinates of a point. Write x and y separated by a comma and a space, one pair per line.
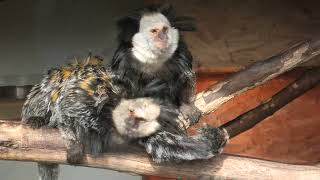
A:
144, 108
143, 47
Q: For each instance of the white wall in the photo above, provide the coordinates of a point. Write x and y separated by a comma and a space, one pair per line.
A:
37, 34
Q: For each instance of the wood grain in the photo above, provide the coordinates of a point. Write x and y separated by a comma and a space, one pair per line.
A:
14, 145
256, 74
248, 120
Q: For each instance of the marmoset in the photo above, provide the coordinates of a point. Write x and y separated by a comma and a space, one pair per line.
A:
152, 52
72, 98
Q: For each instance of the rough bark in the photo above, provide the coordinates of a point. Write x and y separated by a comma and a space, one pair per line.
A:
256, 74
47, 146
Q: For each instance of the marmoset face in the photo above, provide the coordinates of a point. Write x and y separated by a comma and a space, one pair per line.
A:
136, 118
156, 40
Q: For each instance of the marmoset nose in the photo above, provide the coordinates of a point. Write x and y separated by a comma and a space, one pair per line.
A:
135, 117
162, 35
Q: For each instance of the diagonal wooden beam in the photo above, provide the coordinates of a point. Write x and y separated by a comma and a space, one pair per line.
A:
246, 121
256, 74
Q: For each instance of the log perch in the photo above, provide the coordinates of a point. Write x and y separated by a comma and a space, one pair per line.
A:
22, 143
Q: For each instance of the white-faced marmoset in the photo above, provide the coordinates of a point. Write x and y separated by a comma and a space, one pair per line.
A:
152, 52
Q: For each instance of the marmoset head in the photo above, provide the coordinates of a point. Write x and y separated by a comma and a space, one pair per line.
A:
153, 32
156, 40
136, 118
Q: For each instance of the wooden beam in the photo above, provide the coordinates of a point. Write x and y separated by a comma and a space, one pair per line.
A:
256, 74
251, 118
18, 142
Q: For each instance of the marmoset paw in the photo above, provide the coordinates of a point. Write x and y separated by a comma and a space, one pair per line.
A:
216, 137
189, 112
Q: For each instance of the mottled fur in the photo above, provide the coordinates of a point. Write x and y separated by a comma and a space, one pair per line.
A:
71, 98
77, 99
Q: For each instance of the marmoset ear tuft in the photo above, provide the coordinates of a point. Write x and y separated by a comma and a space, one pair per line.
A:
128, 26
184, 23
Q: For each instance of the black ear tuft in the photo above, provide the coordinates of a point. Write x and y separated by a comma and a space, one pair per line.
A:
184, 23
167, 10
127, 27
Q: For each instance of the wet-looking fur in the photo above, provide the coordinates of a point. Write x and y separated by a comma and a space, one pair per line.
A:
75, 99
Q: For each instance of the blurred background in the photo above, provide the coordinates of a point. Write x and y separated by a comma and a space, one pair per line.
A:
38, 34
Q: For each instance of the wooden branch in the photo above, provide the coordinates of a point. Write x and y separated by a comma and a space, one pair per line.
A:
249, 119
18, 142
257, 74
